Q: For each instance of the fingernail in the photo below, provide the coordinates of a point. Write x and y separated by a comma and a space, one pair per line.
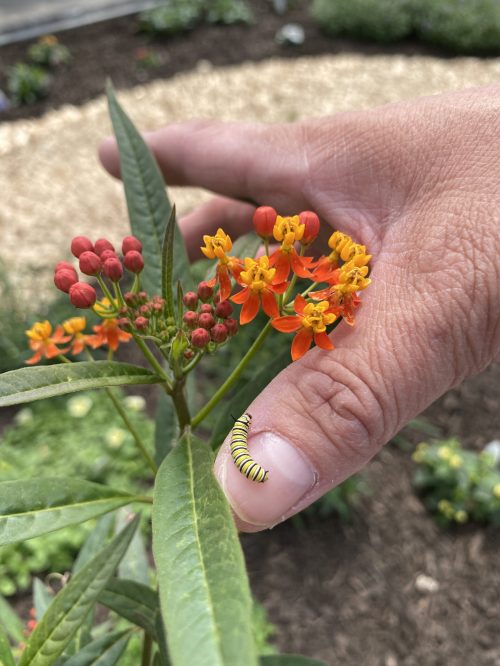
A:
290, 477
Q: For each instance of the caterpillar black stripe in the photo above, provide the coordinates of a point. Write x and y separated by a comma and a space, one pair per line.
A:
239, 451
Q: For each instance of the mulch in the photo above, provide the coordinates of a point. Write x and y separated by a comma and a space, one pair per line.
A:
341, 592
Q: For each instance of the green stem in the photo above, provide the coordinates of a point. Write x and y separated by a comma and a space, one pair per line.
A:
147, 649
140, 444
233, 377
309, 288
105, 290
145, 499
266, 246
192, 364
63, 359
180, 404
287, 293
150, 358
118, 294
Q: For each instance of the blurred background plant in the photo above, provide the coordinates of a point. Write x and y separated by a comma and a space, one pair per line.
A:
48, 52
27, 84
463, 27
457, 485
176, 16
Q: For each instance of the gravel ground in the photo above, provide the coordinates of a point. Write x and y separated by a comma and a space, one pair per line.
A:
53, 187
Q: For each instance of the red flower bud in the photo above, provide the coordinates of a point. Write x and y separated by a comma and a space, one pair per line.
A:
188, 354
81, 244
131, 243
311, 221
113, 269
65, 278
130, 298
141, 323
123, 310
142, 295
90, 264
264, 218
223, 309
200, 337
206, 320
206, 307
231, 325
123, 322
145, 309
108, 254
133, 261
103, 244
82, 295
219, 333
190, 319
64, 264
190, 299
205, 291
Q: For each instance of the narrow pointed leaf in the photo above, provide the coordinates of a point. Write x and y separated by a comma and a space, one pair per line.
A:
166, 427
104, 651
289, 660
95, 541
42, 598
10, 621
6, 658
147, 201
244, 392
30, 509
28, 384
70, 607
134, 565
167, 264
135, 602
204, 593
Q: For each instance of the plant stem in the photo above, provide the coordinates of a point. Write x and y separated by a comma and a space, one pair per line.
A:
233, 377
140, 444
187, 368
147, 649
180, 404
150, 358
309, 288
118, 294
105, 290
63, 359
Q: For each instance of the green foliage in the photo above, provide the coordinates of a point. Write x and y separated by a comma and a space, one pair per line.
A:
263, 630
341, 500
470, 26
48, 52
200, 564
177, 16
27, 84
380, 20
457, 485
465, 27
83, 435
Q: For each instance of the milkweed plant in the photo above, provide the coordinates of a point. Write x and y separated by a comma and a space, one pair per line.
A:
199, 610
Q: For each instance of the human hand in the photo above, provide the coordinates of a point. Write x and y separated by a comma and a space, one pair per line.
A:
418, 183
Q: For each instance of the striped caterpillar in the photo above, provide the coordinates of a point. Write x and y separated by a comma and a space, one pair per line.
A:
240, 453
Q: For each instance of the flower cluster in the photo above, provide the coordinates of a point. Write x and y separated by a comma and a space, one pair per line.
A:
203, 318
268, 281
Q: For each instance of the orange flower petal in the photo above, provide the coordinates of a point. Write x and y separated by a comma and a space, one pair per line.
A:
241, 296
224, 284
287, 324
298, 266
249, 309
279, 288
299, 304
269, 304
282, 265
323, 341
34, 359
301, 343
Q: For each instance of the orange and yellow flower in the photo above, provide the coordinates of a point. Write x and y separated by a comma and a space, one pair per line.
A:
288, 231
310, 322
216, 247
260, 286
341, 304
75, 327
110, 334
343, 248
44, 343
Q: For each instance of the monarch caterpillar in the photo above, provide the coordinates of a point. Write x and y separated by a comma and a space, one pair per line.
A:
240, 454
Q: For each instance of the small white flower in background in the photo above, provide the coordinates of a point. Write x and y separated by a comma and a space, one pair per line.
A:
134, 402
493, 448
115, 437
23, 416
79, 406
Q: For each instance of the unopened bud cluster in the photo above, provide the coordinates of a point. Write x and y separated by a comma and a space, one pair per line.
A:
207, 319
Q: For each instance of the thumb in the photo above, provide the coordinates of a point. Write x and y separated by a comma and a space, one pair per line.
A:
326, 415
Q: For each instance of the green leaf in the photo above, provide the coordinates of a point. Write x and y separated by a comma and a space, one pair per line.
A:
28, 384
245, 391
42, 598
104, 651
134, 565
95, 541
166, 427
30, 507
289, 660
204, 594
11, 622
167, 264
71, 606
6, 658
147, 201
135, 602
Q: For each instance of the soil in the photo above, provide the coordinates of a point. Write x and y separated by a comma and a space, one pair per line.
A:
106, 50
342, 592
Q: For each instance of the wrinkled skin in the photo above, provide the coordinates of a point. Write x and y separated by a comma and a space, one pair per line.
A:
418, 183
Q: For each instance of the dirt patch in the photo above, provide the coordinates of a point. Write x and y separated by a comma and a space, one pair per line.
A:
107, 49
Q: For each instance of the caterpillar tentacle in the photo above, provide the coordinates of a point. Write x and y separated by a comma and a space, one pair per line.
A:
240, 453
